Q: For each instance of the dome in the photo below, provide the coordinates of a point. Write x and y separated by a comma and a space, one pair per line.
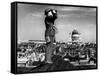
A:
75, 32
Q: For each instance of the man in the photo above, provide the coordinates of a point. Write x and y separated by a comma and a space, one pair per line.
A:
51, 16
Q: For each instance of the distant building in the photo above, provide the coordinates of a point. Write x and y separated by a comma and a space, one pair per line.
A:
37, 41
75, 37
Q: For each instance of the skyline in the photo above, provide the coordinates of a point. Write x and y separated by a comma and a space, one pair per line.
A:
31, 22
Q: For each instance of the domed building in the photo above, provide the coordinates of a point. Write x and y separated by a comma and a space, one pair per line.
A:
75, 37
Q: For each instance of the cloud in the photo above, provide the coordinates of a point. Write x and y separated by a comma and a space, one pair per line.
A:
36, 15
76, 12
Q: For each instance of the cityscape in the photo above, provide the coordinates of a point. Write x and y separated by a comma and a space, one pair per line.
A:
31, 53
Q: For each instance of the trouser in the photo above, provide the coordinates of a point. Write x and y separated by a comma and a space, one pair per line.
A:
49, 51
49, 47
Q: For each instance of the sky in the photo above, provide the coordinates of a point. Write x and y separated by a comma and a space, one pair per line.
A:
31, 22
